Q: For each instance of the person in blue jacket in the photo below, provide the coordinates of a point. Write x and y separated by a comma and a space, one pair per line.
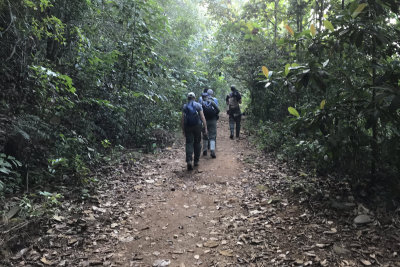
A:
192, 119
210, 93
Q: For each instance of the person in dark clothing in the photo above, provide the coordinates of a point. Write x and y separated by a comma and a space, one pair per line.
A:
211, 111
192, 119
201, 96
233, 101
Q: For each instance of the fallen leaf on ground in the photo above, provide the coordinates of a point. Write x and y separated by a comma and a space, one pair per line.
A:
362, 219
366, 262
211, 244
58, 218
45, 261
332, 231
299, 262
161, 263
227, 253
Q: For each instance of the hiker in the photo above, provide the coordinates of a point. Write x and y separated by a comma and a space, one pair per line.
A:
192, 117
201, 96
233, 100
211, 111
210, 93
206, 142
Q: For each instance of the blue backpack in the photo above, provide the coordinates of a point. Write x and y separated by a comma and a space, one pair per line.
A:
191, 115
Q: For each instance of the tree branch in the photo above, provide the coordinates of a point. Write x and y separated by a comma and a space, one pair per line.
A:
11, 20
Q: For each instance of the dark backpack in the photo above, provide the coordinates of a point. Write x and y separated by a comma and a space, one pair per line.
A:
191, 115
209, 110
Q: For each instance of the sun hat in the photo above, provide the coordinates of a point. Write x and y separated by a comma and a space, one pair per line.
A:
210, 92
191, 95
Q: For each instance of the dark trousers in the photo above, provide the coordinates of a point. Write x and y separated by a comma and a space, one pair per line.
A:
235, 116
210, 139
193, 142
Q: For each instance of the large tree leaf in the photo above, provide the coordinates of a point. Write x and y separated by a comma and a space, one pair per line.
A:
293, 111
358, 10
287, 66
313, 30
289, 29
322, 105
265, 71
329, 25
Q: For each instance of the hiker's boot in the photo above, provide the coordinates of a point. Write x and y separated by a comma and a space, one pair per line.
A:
189, 166
196, 163
213, 154
205, 145
231, 128
205, 153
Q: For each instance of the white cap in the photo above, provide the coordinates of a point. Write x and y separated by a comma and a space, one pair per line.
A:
191, 95
210, 92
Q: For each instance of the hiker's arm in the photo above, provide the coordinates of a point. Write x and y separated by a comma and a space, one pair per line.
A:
216, 107
183, 124
203, 119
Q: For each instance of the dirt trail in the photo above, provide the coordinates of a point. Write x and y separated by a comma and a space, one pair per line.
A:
242, 208
183, 220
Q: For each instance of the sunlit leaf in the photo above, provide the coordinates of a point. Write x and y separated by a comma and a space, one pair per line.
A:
293, 111
249, 26
328, 25
322, 105
289, 29
265, 71
358, 10
313, 30
287, 66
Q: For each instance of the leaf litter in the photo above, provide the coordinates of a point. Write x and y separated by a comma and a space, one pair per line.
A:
259, 214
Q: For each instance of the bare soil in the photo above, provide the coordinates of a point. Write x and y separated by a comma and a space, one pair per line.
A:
183, 217
242, 208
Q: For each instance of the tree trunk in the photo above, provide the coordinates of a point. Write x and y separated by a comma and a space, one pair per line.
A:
275, 24
374, 145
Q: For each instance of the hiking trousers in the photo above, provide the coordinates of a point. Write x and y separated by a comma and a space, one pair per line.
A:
193, 142
212, 134
235, 116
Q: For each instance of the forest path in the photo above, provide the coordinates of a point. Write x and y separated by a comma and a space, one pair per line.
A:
182, 217
242, 208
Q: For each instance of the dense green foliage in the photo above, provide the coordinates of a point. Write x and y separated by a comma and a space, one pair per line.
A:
331, 98
83, 79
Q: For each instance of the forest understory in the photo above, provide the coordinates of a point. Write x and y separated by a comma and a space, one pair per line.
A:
242, 208
91, 94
